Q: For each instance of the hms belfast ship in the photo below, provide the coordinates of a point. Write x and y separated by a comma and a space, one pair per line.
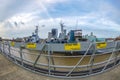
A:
71, 42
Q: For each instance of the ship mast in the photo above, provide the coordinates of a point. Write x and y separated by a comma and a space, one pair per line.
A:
62, 27
62, 35
36, 31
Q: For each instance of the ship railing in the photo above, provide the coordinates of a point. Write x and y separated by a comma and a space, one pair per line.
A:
22, 57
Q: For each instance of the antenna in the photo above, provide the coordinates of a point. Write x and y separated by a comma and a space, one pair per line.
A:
36, 30
62, 27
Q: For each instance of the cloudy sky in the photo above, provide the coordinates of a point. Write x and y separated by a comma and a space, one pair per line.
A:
18, 18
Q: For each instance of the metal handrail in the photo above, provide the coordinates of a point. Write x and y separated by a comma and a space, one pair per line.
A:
98, 67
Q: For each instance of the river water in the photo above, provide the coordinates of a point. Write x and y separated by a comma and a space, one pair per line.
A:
59, 58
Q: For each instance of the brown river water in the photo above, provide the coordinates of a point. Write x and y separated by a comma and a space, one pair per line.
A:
59, 58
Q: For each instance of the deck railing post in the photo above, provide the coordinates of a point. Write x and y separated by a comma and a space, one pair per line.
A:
116, 53
79, 60
49, 52
21, 55
111, 56
36, 60
9, 47
39, 55
53, 63
3, 48
91, 62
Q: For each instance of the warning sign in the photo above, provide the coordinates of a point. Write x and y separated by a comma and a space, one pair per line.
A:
12, 43
101, 45
72, 46
31, 45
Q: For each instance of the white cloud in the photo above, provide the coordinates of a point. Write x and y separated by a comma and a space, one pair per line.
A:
52, 1
2, 30
87, 21
23, 17
31, 15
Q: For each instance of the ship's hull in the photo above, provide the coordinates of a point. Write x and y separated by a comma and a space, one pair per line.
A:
82, 48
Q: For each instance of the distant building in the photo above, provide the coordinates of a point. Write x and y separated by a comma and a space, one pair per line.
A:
91, 37
18, 39
110, 39
54, 33
78, 35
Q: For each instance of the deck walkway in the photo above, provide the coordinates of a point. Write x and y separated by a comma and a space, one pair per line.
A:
10, 71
